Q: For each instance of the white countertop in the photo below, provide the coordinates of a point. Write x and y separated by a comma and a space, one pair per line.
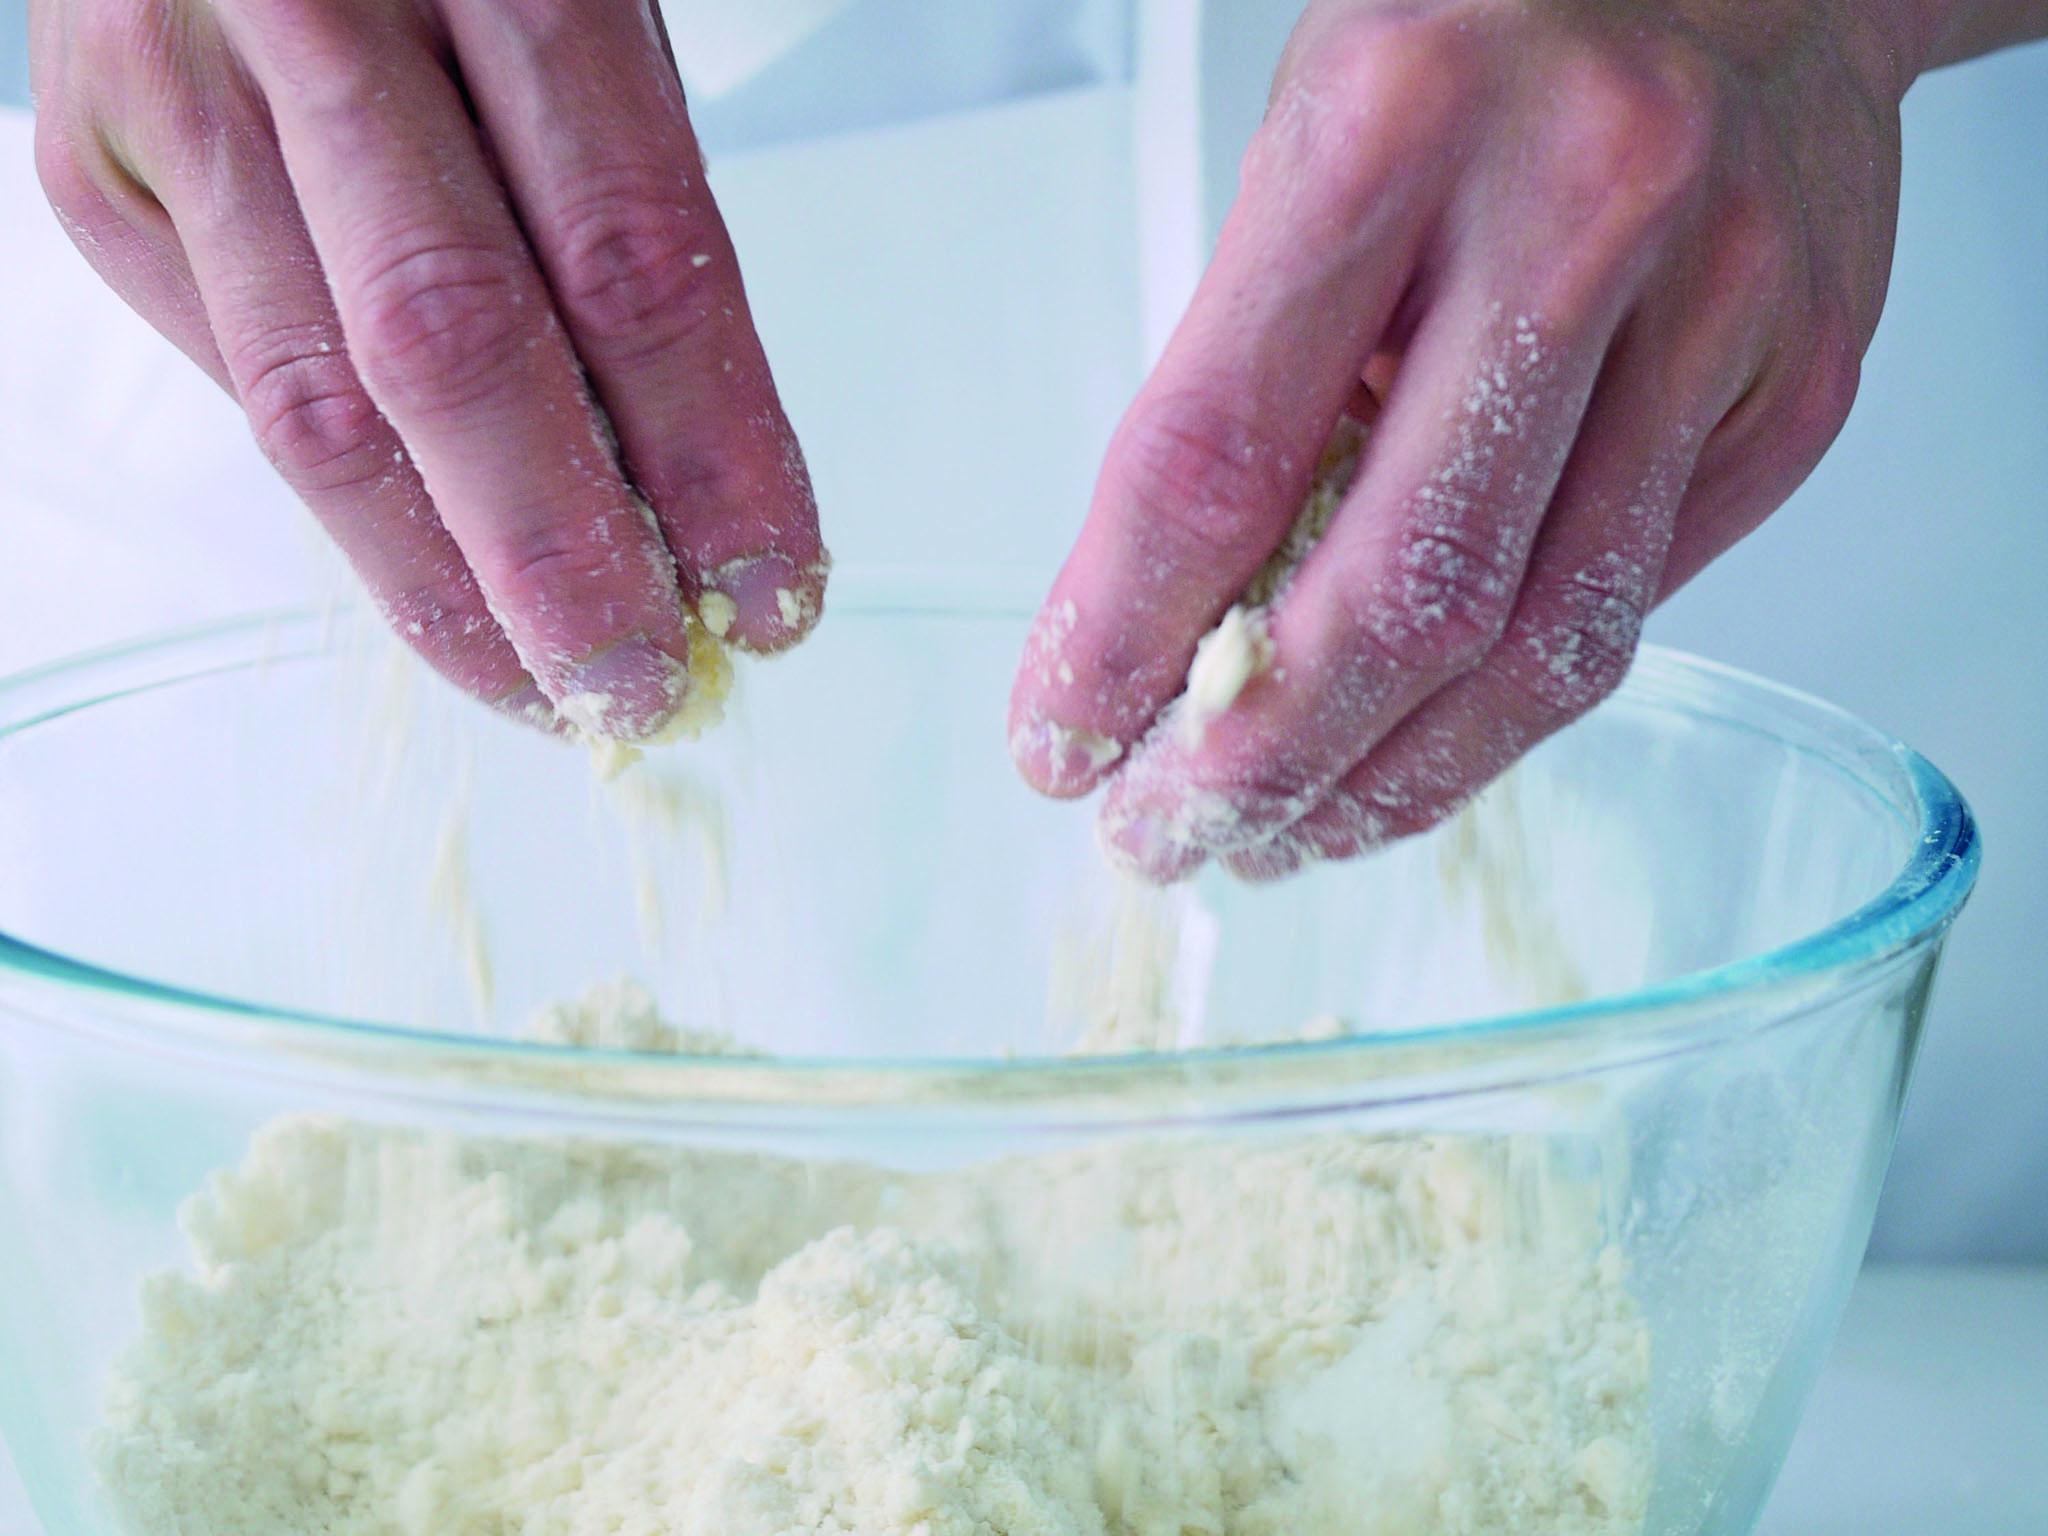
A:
1931, 1418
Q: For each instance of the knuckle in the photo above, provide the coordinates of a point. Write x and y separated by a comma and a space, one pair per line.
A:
1576, 646
1374, 94
543, 19
319, 51
439, 327
445, 620
551, 36
1421, 54
309, 411
296, 29
1208, 482
1443, 605
1637, 140
551, 566
1688, 85
628, 269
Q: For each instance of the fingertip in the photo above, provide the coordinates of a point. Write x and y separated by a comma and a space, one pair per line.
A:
1196, 798
764, 604
1058, 750
1138, 843
1137, 827
1064, 762
628, 691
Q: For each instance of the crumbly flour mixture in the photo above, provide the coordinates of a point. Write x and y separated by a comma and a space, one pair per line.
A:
393, 1331
1239, 648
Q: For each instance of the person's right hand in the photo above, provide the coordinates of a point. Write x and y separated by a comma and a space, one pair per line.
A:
430, 245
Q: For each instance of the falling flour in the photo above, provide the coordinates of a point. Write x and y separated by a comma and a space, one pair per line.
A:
1110, 985
397, 1331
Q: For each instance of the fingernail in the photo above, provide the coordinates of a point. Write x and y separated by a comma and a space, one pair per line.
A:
1062, 760
626, 692
765, 602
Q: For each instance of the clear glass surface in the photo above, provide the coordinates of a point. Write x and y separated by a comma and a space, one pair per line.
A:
1658, 1008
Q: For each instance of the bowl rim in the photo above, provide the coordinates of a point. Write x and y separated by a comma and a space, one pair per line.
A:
1914, 909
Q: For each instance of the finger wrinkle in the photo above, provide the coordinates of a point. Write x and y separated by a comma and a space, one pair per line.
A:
1471, 524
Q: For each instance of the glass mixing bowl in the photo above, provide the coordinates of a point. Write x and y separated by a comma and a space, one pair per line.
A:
1530, 1208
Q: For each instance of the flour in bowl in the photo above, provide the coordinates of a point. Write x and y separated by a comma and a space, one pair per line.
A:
398, 1331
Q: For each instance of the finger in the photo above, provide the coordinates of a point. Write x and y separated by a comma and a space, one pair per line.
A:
1210, 466
124, 234
1573, 633
454, 336
288, 365
1410, 587
1759, 455
590, 131
1598, 567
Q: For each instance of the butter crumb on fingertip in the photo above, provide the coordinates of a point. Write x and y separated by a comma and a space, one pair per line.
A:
699, 690
717, 611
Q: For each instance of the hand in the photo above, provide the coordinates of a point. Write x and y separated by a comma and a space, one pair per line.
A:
439, 250
1605, 273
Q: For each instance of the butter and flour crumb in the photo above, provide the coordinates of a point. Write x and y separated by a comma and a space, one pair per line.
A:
1110, 985
701, 687
698, 693
402, 1331
718, 612
622, 1015
1237, 650
1240, 648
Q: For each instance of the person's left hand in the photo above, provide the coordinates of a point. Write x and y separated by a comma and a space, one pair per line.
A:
1608, 272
